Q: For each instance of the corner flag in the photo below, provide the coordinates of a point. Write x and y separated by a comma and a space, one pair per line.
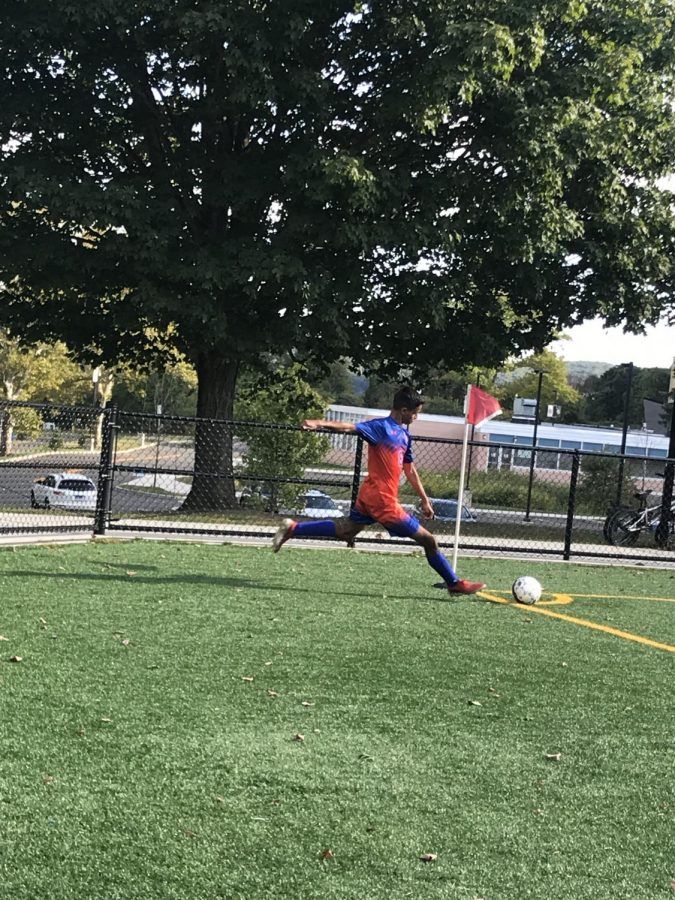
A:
481, 407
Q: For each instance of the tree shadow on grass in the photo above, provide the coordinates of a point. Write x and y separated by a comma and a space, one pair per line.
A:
195, 579
105, 578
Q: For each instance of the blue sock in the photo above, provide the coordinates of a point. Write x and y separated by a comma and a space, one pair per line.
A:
324, 528
440, 564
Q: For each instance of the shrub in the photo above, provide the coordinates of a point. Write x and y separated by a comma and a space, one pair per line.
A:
498, 488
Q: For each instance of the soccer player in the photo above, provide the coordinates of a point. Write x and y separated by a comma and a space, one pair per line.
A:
389, 454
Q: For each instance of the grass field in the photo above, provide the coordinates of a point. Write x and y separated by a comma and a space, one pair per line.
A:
151, 732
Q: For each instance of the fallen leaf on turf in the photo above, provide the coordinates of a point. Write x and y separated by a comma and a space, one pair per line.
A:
247, 677
298, 737
49, 779
16, 659
672, 884
492, 690
272, 694
307, 703
130, 573
220, 799
43, 622
327, 854
126, 642
554, 756
475, 703
3, 638
105, 719
429, 857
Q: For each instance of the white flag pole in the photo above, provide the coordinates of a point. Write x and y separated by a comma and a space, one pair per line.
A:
462, 471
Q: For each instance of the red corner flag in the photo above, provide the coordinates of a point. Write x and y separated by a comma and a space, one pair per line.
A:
481, 407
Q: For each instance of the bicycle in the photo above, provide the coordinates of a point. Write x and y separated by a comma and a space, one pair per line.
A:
624, 526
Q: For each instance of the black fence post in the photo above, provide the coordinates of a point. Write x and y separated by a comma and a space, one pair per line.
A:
571, 504
356, 481
105, 469
663, 529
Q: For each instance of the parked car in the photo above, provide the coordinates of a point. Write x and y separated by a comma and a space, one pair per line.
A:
446, 511
317, 505
65, 490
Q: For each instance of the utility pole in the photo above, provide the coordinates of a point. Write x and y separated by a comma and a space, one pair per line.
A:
624, 433
541, 373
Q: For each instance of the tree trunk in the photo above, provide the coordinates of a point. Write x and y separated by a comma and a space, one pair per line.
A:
6, 431
213, 481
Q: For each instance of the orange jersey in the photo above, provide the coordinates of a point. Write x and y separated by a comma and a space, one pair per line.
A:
389, 448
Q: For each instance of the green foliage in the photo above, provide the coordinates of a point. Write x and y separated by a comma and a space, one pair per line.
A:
599, 484
501, 489
36, 372
443, 391
27, 422
282, 397
224, 181
607, 398
174, 388
338, 385
524, 381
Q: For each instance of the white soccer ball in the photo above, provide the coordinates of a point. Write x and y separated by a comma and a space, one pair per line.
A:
526, 589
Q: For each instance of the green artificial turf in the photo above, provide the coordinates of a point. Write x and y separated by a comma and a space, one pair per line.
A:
148, 731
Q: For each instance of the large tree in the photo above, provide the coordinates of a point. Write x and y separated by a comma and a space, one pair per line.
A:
403, 183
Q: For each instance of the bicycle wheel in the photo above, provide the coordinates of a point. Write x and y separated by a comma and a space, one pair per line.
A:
623, 528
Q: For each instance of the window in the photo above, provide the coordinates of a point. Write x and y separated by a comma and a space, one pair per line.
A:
522, 457
75, 484
546, 460
589, 445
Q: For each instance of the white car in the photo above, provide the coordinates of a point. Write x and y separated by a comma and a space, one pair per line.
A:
63, 491
317, 505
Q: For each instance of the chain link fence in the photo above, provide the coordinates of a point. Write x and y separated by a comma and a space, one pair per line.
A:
86, 469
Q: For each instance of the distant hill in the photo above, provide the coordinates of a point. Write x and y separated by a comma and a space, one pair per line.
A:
578, 371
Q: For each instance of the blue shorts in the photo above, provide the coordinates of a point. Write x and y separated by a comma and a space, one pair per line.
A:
406, 526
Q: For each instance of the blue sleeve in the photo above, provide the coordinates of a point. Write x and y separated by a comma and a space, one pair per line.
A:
371, 431
408, 455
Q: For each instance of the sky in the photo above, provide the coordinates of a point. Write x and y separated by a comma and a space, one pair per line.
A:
594, 343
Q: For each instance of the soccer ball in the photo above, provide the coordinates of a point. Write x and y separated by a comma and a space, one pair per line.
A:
526, 589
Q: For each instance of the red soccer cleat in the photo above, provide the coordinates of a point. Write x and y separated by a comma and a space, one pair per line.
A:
465, 587
283, 534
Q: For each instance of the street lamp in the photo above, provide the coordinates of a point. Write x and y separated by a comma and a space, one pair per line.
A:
95, 376
540, 373
624, 434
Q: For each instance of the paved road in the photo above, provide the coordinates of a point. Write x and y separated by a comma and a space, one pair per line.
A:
16, 480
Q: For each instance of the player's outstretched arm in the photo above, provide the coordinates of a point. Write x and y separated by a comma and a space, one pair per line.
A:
341, 427
415, 483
